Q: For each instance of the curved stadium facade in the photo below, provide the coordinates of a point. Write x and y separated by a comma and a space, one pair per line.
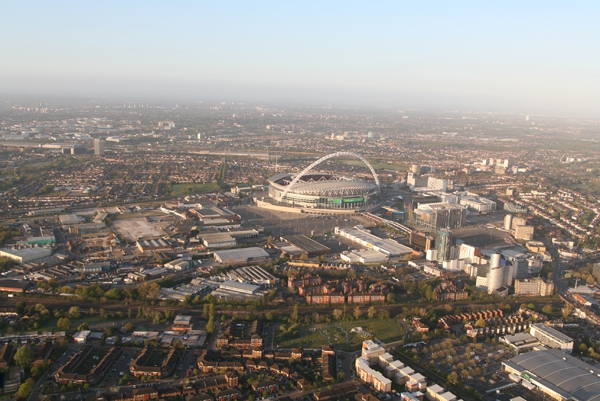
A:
324, 191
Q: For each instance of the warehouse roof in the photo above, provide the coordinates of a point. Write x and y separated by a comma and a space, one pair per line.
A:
241, 287
241, 253
308, 245
217, 237
27, 252
384, 245
560, 373
69, 219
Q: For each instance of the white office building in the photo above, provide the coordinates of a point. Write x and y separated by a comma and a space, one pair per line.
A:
552, 338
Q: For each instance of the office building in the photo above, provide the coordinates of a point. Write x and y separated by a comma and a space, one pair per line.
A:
421, 241
492, 276
478, 204
512, 208
508, 222
99, 145
437, 184
524, 232
438, 216
552, 338
495, 277
534, 287
519, 263
443, 245
596, 271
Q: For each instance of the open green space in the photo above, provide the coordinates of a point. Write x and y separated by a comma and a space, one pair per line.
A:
191, 188
339, 334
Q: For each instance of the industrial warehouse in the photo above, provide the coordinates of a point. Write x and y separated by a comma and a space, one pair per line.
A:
385, 246
556, 374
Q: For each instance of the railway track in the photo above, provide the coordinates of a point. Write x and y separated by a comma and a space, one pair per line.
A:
9, 304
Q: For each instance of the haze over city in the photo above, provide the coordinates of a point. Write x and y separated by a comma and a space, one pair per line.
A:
299, 201
525, 57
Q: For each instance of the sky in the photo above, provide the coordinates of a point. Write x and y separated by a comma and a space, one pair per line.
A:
515, 56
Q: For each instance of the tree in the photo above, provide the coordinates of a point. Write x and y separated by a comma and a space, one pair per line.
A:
357, 313
294, 316
480, 323
20, 309
74, 312
210, 326
128, 327
24, 356
371, 312
547, 310
211, 310
102, 312
337, 313
83, 326
26, 388
64, 323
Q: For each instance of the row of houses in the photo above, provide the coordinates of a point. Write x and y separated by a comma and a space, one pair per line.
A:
415, 384
373, 353
208, 364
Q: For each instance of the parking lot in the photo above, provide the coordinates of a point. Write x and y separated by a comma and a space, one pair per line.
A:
121, 366
138, 227
281, 223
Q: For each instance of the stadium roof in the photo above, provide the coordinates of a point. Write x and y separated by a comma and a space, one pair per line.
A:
560, 373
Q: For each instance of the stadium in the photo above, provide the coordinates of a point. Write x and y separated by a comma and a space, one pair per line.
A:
323, 193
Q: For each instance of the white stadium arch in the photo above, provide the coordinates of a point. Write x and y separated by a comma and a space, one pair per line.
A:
321, 160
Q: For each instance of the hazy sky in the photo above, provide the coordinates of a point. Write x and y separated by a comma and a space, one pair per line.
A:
521, 56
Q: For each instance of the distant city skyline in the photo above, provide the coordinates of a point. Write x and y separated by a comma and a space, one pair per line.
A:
532, 57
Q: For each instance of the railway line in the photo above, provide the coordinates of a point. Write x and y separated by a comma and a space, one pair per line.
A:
9, 304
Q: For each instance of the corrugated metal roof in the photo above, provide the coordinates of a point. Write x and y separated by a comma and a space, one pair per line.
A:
561, 373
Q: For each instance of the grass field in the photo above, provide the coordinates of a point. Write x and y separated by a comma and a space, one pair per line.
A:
191, 188
336, 334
